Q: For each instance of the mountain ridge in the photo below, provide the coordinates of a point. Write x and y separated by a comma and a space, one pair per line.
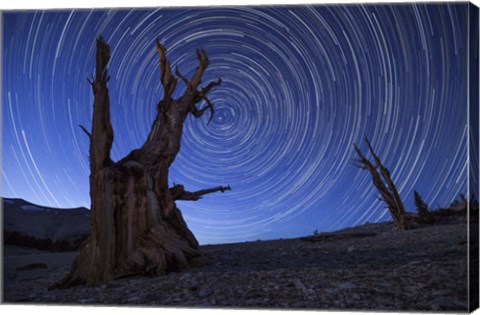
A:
30, 225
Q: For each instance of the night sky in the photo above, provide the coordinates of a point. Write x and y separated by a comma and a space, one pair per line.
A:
300, 86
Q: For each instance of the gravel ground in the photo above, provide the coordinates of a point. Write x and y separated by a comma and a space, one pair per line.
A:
370, 267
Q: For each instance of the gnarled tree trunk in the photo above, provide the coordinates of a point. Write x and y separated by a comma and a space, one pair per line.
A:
135, 226
385, 186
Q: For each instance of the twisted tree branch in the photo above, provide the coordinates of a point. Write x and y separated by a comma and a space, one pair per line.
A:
189, 86
169, 82
179, 192
199, 112
388, 194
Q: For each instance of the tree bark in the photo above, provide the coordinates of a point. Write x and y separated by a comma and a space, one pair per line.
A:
423, 215
135, 225
382, 181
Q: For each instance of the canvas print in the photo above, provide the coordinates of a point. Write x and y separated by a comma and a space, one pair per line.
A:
318, 157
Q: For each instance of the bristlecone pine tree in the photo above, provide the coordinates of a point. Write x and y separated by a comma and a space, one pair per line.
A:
386, 187
135, 226
423, 215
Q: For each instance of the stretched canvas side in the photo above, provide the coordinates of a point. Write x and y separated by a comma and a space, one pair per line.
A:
473, 151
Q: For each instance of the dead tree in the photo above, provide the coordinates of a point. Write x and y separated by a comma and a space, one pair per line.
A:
135, 225
423, 215
382, 181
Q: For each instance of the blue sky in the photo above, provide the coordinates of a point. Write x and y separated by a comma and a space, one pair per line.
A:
301, 84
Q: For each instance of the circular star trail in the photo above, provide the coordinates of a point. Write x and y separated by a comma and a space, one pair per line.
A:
301, 84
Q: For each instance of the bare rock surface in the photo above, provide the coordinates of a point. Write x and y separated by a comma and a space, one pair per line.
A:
364, 268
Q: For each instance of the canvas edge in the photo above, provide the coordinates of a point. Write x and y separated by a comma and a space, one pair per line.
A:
473, 149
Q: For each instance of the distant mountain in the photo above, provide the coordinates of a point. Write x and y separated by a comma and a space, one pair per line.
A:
30, 225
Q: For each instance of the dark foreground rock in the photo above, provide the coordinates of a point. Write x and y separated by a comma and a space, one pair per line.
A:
370, 267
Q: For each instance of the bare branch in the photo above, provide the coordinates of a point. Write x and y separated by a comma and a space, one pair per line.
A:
86, 131
169, 82
189, 86
199, 112
358, 164
179, 192
91, 81
202, 66
209, 86
202, 95
202, 58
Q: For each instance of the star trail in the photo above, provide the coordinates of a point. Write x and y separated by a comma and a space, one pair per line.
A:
301, 84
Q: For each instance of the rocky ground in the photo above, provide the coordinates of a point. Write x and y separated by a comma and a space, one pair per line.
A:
370, 267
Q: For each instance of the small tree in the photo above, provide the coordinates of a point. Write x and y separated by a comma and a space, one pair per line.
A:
424, 216
385, 186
